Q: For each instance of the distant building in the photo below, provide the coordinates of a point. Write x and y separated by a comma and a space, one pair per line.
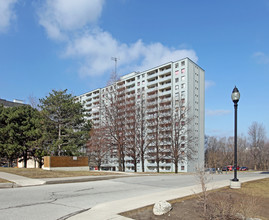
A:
181, 80
15, 103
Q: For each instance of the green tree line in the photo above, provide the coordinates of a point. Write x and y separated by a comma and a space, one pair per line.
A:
58, 127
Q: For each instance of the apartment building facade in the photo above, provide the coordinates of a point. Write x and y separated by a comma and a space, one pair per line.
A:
162, 89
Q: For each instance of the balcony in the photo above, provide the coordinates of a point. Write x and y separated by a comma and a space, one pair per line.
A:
152, 74
153, 81
130, 88
165, 78
152, 89
95, 109
152, 103
165, 69
130, 82
165, 85
152, 96
165, 92
165, 100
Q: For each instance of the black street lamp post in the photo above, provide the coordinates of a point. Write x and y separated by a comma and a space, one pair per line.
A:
235, 98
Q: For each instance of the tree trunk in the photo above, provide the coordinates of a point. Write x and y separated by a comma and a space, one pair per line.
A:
176, 166
135, 165
59, 138
25, 159
119, 160
143, 162
157, 159
40, 163
10, 162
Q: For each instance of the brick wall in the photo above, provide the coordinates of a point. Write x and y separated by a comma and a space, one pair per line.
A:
58, 161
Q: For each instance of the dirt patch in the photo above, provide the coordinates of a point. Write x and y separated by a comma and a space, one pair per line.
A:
40, 173
252, 200
4, 181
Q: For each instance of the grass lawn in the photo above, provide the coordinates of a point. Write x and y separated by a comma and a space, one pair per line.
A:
39, 173
252, 200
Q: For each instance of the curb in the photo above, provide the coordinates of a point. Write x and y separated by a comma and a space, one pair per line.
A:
8, 185
79, 180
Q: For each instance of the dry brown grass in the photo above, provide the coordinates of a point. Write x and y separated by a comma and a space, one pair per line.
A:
4, 181
39, 173
251, 201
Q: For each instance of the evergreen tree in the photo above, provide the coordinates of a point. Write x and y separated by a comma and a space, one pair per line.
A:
65, 128
18, 129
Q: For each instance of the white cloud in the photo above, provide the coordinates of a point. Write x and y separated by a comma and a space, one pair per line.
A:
261, 57
97, 48
75, 23
7, 14
209, 83
61, 16
217, 112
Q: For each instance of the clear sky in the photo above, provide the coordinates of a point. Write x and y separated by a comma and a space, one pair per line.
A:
68, 44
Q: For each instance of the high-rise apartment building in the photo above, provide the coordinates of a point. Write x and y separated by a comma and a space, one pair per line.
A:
165, 91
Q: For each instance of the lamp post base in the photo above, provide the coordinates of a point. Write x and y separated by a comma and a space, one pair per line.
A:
235, 184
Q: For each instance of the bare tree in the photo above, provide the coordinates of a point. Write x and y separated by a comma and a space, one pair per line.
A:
160, 132
141, 134
132, 148
154, 154
257, 138
265, 157
180, 133
114, 118
97, 147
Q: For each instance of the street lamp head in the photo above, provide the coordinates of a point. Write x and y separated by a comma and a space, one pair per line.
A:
235, 95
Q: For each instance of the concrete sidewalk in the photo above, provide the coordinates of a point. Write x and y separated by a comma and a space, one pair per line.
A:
19, 180
111, 210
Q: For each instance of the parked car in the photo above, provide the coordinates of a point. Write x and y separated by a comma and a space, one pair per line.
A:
243, 168
230, 167
238, 168
224, 168
210, 170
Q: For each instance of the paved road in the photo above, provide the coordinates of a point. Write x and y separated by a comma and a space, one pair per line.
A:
59, 201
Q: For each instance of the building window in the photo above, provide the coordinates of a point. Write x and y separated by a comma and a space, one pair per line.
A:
183, 63
183, 86
177, 79
176, 65
182, 78
177, 72
183, 70
143, 82
182, 168
143, 75
177, 87
138, 83
177, 94
138, 77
